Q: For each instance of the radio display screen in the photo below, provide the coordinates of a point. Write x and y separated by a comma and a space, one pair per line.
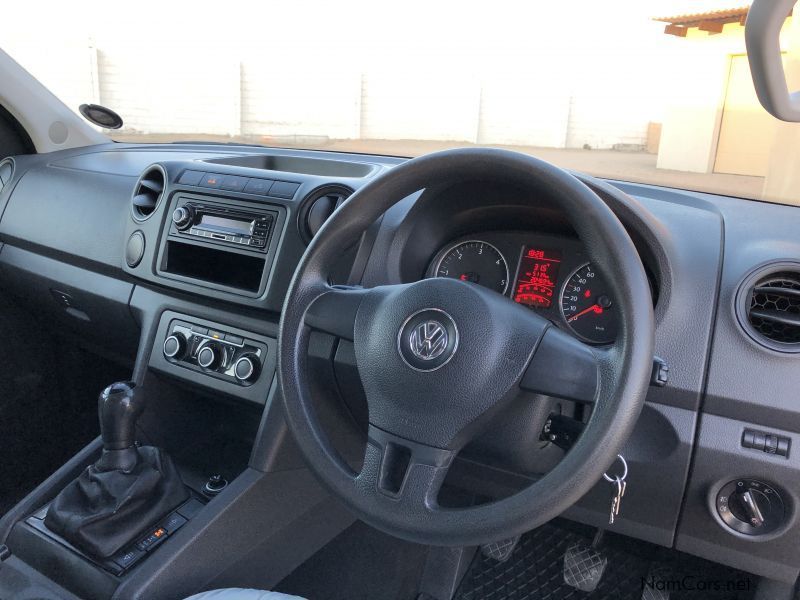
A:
537, 277
231, 225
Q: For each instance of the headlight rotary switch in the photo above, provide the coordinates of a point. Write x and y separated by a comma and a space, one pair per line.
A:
750, 506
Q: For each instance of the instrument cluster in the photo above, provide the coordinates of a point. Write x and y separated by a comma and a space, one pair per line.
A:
549, 274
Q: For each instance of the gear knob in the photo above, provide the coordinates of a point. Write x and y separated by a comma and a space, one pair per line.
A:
119, 407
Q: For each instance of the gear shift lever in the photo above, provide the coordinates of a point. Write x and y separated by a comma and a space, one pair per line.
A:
119, 406
127, 489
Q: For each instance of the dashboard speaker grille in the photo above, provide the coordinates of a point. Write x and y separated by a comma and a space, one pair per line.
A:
771, 307
148, 192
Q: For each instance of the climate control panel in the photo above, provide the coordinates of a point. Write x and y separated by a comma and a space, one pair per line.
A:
215, 352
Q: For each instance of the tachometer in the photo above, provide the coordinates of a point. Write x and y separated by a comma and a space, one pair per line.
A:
588, 307
477, 262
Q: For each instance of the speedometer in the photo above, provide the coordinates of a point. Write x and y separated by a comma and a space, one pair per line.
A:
588, 307
477, 262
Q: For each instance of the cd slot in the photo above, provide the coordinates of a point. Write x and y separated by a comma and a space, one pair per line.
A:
212, 265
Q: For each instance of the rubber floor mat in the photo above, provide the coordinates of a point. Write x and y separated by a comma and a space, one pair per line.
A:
535, 571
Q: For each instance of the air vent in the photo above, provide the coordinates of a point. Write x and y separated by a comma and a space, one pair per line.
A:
148, 192
6, 172
769, 306
319, 205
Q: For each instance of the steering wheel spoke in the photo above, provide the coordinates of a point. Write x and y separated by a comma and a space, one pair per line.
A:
401, 470
563, 367
334, 311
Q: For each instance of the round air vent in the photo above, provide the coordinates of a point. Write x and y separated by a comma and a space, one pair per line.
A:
148, 192
768, 306
6, 172
319, 205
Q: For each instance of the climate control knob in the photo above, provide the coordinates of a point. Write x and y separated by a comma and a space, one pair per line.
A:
246, 368
182, 217
209, 356
175, 346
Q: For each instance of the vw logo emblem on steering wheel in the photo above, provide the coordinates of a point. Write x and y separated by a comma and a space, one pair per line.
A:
427, 339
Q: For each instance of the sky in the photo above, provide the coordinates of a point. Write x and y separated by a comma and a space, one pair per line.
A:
602, 48
365, 32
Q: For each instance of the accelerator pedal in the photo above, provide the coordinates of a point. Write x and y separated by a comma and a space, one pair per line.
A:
584, 564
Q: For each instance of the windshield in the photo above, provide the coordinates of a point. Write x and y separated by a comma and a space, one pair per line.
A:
656, 92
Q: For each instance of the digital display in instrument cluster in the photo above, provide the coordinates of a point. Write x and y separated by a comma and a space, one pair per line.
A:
536, 281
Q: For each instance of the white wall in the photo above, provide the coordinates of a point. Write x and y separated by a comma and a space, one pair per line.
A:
524, 109
536, 74
170, 88
71, 73
699, 71
417, 104
699, 75
164, 87
304, 100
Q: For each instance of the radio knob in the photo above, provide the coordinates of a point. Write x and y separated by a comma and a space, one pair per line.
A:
209, 356
175, 346
182, 217
246, 368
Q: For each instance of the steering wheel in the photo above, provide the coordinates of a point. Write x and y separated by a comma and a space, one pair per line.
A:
438, 357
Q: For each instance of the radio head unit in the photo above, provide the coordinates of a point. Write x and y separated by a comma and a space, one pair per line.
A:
233, 226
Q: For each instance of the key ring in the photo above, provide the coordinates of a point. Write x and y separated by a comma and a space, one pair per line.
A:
624, 471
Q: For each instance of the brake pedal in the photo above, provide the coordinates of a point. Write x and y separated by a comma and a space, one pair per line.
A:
584, 567
500, 551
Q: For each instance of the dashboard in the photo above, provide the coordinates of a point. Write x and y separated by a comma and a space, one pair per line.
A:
197, 243
548, 274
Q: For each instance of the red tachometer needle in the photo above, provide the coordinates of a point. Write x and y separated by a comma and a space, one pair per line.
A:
595, 308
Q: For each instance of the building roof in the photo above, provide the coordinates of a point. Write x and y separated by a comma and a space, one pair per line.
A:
712, 21
728, 15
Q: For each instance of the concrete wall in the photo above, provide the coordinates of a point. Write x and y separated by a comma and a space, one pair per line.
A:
283, 100
524, 110
420, 105
182, 89
699, 71
71, 73
165, 87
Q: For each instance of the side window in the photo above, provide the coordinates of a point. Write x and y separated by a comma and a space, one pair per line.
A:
13, 138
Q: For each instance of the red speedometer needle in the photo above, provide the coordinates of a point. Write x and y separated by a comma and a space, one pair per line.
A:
595, 308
